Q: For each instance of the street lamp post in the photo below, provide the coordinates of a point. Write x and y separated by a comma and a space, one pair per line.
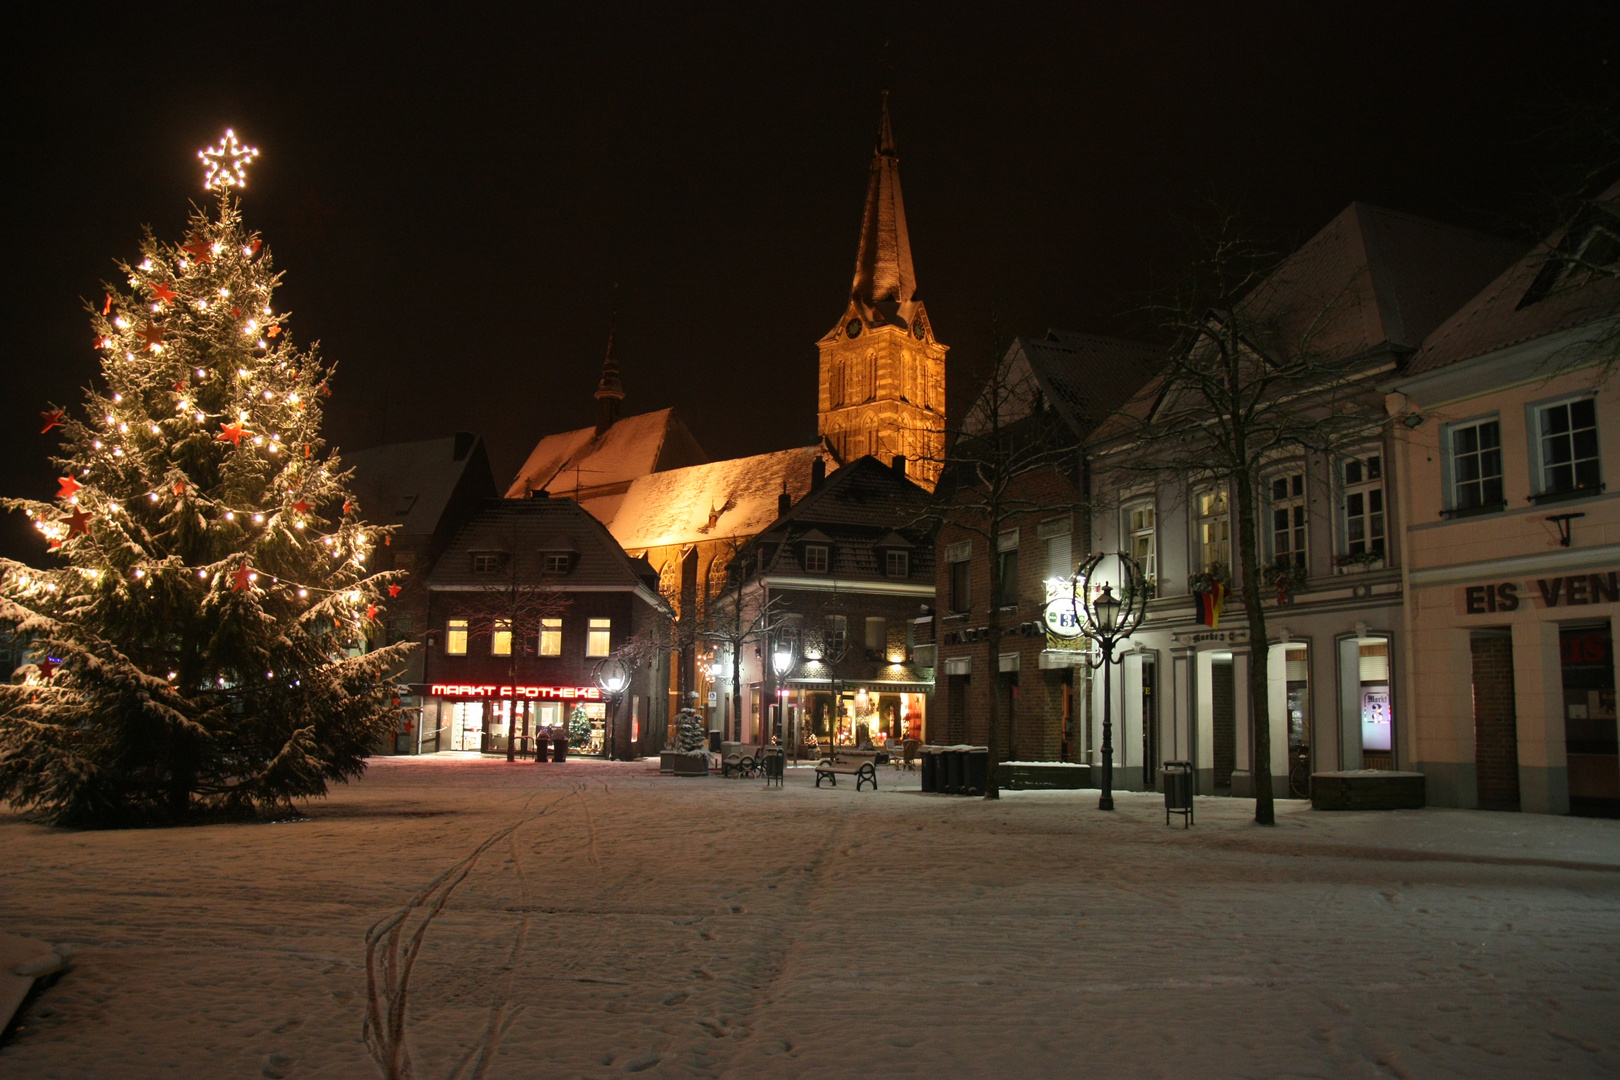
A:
782, 663
1111, 599
612, 676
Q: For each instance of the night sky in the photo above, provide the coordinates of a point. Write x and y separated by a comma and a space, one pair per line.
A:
453, 194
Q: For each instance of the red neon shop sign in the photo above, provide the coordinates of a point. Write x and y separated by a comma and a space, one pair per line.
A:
534, 693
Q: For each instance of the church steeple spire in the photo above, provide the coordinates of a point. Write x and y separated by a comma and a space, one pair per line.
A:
610, 391
883, 273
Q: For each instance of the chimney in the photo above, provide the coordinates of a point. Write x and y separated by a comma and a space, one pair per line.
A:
784, 503
464, 445
898, 464
818, 473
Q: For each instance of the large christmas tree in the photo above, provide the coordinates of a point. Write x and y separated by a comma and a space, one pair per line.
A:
203, 638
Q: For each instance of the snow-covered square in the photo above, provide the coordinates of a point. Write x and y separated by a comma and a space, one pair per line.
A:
623, 922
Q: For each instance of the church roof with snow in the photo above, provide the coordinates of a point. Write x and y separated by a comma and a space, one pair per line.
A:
721, 499
584, 464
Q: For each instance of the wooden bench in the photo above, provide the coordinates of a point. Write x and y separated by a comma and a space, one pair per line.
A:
863, 770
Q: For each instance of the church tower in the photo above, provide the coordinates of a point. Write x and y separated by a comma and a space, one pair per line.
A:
882, 371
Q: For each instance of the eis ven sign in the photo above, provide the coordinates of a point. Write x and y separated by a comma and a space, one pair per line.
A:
1571, 590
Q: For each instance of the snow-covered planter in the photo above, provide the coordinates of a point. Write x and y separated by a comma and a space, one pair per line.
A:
690, 755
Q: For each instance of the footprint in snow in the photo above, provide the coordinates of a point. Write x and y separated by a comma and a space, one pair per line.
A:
642, 1064
278, 1066
677, 997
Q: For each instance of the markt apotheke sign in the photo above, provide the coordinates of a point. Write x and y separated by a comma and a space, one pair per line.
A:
1570, 590
533, 693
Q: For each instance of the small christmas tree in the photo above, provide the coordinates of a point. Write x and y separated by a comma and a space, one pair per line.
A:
208, 627
579, 729
691, 733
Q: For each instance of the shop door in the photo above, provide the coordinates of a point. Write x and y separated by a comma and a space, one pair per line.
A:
1589, 721
1007, 706
1296, 716
956, 709
1223, 702
1496, 736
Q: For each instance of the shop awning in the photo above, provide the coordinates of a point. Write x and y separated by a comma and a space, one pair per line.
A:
869, 685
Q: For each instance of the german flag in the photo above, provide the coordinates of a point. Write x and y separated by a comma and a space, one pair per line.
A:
1210, 603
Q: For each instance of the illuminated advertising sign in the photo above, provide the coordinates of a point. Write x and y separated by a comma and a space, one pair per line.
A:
1062, 616
532, 693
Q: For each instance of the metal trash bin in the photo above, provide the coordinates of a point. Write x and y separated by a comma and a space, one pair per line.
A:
559, 748
953, 770
930, 768
975, 770
714, 741
775, 764
1178, 791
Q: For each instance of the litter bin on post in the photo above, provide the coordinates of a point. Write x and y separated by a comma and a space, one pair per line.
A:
1178, 793
930, 768
975, 770
559, 748
775, 762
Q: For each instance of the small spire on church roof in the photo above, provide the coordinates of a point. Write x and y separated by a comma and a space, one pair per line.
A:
610, 391
883, 271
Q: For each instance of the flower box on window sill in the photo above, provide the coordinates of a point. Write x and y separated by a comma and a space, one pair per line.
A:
1545, 497
1357, 564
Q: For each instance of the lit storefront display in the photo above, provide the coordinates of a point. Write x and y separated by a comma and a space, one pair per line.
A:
482, 717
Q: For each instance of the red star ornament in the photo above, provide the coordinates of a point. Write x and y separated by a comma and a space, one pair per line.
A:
152, 334
301, 506
180, 487
273, 331
106, 308
77, 522
47, 667
347, 506
52, 419
393, 590
199, 249
163, 294
241, 578
232, 433
180, 386
371, 612
70, 487
255, 245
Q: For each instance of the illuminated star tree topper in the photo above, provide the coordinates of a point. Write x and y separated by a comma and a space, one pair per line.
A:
227, 163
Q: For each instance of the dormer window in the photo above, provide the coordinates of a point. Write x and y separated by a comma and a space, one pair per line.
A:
897, 564
488, 562
556, 562
815, 558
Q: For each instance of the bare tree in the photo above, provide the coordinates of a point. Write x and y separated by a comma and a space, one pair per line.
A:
1256, 368
736, 615
516, 604
1012, 434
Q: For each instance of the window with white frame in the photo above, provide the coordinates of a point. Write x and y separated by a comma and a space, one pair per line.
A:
500, 642
1214, 529
1362, 511
1142, 537
555, 562
487, 562
1475, 465
815, 558
1566, 447
455, 638
896, 564
550, 637
599, 641
1287, 505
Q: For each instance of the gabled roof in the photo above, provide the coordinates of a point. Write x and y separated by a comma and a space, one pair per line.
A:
411, 484
584, 461
1524, 302
525, 528
859, 510
1374, 277
721, 499
1084, 377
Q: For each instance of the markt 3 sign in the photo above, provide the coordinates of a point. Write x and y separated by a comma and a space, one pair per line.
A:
1571, 590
